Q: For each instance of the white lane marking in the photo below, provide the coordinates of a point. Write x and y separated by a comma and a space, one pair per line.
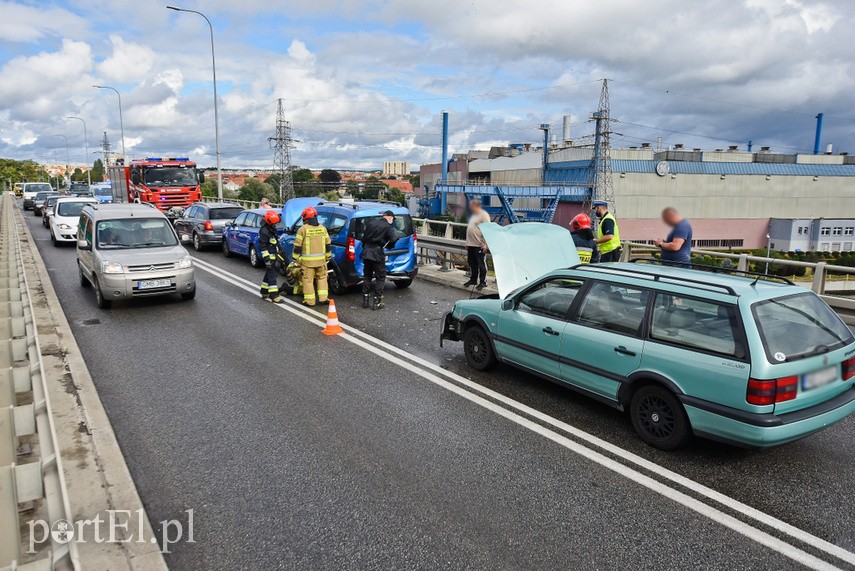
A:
761, 537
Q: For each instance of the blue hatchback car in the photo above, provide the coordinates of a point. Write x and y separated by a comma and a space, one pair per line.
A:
345, 222
240, 236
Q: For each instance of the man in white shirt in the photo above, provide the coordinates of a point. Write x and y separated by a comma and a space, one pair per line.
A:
476, 247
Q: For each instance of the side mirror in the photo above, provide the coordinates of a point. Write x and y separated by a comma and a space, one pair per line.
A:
135, 178
201, 177
83, 245
508, 304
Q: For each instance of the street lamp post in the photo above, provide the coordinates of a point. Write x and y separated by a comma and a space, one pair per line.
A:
216, 112
768, 251
121, 120
67, 160
85, 148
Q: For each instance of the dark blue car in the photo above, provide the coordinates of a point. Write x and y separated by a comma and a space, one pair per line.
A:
240, 236
345, 222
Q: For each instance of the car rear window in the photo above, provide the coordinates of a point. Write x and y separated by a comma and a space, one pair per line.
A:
799, 326
224, 213
403, 225
38, 187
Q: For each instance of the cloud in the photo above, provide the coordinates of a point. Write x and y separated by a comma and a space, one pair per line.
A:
128, 60
22, 23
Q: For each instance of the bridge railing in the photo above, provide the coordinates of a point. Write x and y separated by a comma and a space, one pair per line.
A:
31, 477
440, 242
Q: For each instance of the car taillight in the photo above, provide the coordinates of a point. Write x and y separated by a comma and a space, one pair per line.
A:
415, 241
772, 391
848, 368
208, 226
351, 249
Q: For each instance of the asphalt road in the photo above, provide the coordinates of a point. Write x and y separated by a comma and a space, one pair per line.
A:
296, 450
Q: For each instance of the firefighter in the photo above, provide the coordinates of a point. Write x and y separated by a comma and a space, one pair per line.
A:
583, 238
271, 254
608, 236
312, 251
378, 233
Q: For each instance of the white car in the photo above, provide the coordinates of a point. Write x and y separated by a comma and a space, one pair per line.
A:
66, 215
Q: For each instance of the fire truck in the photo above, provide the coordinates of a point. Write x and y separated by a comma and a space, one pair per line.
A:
163, 182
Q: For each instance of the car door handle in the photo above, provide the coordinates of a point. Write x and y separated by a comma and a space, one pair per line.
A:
624, 351
550, 331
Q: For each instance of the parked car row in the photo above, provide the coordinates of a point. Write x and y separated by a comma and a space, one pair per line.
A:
236, 231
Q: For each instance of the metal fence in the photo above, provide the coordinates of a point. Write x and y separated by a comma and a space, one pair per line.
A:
31, 475
441, 241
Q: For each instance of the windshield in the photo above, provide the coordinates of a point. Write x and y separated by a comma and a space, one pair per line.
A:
127, 233
43, 195
70, 209
170, 176
38, 187
799, 326
52, 200
224, 213
102, 190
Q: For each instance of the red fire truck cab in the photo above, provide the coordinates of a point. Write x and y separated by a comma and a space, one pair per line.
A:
159, 181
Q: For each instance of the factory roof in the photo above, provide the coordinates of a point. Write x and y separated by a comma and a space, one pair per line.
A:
560, 169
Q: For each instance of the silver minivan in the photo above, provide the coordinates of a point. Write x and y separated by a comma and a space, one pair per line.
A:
131, 250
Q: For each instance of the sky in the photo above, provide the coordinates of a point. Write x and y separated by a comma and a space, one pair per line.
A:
364, 82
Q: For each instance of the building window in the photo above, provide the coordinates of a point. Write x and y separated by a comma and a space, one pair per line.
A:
837, 231
800, 230
848, 231
806, 229
824, 231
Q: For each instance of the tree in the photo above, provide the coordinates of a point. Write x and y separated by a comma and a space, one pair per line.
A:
209, 187
97, 171
254, 190
78, 175
330, 176
302, 175
415, 180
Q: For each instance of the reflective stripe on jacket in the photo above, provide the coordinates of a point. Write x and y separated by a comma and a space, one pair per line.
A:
612, 244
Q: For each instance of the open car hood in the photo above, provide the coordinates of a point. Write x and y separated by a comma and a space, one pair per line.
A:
525, 251
294, 208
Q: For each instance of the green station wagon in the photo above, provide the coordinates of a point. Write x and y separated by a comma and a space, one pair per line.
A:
747, 360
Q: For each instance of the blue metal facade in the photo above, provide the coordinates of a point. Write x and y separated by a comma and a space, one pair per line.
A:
574, 172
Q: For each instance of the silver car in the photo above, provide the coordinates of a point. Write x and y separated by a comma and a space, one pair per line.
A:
131, 250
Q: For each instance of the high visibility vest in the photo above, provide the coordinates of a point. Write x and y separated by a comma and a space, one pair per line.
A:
313, 241
612, 244
585, 254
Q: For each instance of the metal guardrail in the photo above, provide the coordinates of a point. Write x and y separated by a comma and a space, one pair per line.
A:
437, 236
22, 370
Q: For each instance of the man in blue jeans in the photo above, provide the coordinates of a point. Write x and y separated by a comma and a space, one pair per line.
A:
677, 246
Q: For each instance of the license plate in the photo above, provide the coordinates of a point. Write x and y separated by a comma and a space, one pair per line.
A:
819, 378
153, 284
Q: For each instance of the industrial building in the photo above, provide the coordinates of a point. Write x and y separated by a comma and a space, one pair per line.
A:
733, 198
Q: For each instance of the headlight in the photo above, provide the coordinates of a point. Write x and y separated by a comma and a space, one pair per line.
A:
64, 227
185, 263
111, 268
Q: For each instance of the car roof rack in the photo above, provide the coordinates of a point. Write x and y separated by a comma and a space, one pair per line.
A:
717, 270
656, 277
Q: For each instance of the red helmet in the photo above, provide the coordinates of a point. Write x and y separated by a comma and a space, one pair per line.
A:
309, 212
580, 221
272, 217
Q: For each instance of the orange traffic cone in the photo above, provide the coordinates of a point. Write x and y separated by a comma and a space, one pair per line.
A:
333, 327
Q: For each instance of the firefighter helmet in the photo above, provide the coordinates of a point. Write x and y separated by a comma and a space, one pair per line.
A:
309, 212
580, 221
271, 217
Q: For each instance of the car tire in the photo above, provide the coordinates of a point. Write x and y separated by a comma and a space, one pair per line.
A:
403, 284
334, 282
197, 242
254, 258
187, 296
36, 212
83, 281
478, 349
226, 252
659, 418
44, 222
53, 239
103, 303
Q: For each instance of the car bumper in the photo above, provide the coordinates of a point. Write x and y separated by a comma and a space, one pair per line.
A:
125, 286
396, 276
210, 237
451, 329
65, 235
765, 430
29, 203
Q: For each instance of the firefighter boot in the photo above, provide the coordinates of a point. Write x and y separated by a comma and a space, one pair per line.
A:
378, 302
366, 300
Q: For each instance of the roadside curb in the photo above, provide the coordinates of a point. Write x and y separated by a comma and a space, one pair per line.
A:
95, 471
454, 279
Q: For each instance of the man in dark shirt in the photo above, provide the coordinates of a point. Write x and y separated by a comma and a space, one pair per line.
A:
677, 246
378, 233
